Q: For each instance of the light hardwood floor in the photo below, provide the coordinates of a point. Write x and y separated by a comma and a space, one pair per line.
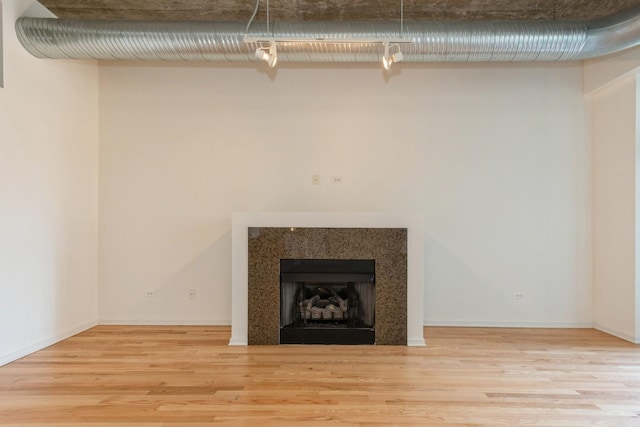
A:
188, 376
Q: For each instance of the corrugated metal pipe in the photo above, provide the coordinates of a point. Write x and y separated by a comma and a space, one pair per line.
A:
330, 41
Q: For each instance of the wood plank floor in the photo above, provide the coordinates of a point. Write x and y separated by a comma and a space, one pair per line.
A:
188, 376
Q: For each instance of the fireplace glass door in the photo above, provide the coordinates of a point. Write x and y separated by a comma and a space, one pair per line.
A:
327, 301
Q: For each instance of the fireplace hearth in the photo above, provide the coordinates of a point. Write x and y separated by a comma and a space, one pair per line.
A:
327, 301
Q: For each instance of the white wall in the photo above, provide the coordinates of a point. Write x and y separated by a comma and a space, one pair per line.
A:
614, 154
615, 212
636, 282
600, 72
48, 196
613, 83
496, 156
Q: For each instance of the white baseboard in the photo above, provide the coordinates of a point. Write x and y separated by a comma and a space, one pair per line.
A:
617, 334
473, 324
416, 342
25, 351
165, 322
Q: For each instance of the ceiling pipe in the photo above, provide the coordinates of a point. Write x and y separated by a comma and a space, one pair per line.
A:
525, 41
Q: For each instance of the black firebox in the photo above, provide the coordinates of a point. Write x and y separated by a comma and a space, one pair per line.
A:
327, 301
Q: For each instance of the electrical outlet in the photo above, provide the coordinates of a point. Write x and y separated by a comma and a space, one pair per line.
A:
192, 294
150, 294
518, 295
315, 179
336, 179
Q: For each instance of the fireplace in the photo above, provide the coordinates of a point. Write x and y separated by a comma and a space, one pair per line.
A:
260, 240
327, 301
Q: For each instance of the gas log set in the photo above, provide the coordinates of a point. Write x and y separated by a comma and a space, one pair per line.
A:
327, 302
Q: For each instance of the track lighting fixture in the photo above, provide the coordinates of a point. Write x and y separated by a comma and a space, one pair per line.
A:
388, 59
267, 50
268, 53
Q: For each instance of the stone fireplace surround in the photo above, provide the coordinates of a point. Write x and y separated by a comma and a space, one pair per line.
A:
243, 221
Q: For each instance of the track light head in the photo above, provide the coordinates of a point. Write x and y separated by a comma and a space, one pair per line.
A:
387, 59
269, 54
261, 54
386, 63
273, 56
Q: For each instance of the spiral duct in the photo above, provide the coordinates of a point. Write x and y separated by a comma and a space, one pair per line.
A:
329, 41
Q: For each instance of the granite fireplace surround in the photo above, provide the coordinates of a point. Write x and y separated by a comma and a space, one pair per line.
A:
386, 246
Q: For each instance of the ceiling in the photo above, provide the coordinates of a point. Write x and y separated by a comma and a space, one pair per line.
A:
338, 10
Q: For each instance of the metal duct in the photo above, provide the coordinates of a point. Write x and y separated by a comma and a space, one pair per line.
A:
430, 41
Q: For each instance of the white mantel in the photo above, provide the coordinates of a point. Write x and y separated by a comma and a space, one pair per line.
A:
413, 222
